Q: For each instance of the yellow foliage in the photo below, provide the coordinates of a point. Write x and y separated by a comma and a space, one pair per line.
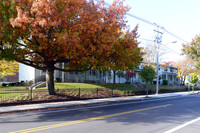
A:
8, 68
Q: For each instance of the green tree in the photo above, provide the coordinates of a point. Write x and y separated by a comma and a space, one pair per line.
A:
193, 79
147, 75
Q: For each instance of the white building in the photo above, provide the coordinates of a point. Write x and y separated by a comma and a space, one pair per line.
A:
91, 76
26, 73
167, 73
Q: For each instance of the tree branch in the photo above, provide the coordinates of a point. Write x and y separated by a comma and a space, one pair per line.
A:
30, 63
36, 41
29, 40
62, 60
64, 70
21, 44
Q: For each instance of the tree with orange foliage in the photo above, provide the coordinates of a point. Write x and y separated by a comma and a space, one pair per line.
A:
185, 68
169, 63
80, 33
126, 55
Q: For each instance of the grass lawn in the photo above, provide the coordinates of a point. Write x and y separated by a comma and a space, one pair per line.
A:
89, 86
17, 93
12, 92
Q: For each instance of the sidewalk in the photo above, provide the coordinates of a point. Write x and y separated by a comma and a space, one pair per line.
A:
21, 108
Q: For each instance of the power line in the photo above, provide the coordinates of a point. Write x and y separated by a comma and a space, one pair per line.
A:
150, 23
159, 43
147, 39
175, 36
141, 19
171, 49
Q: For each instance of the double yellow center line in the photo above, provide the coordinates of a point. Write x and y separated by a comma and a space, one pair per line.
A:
85, 120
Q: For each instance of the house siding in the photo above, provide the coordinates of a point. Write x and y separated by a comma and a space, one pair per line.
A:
14, 78
91, 76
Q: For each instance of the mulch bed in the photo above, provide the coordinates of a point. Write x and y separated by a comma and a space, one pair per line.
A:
44, 97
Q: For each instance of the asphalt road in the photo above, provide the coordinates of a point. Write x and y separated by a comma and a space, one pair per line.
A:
176, 114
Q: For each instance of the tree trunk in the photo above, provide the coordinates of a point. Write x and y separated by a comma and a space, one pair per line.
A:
184, 80
193, 88
114, 73
104, 74
181, 80
147, 93
50, 81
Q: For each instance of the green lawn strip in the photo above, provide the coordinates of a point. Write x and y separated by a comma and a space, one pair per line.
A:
13, 92
167, 88
21, 93
13, 88
91, 87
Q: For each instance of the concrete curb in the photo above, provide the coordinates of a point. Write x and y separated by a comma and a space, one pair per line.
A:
54, 105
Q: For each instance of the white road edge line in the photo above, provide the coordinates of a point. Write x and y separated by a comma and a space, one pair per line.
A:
183, 125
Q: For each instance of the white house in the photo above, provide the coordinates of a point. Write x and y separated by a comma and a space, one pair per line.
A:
26, 73
91, 76
168, 73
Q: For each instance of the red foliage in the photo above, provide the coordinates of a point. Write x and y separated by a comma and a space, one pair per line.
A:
129, 74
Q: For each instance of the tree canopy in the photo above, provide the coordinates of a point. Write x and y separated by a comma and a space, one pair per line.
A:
192, 50
8, 68
80, 33
185, 67
193, 78
147, 74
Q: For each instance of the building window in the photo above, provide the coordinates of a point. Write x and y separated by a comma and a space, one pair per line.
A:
5, 79
90, 71
100, 73
43, 71
93, 72
71, 72
109, 74
75, 72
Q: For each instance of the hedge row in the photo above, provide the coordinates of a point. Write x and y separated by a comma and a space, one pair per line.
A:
14, 84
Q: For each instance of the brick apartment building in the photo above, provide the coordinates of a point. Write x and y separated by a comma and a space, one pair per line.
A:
14, 78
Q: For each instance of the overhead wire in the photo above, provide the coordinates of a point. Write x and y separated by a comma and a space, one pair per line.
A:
153, 24
160, 43
150, 23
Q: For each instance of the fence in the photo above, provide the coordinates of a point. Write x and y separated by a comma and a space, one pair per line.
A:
21, 95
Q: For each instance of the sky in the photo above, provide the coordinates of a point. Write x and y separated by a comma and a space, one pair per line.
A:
180, 17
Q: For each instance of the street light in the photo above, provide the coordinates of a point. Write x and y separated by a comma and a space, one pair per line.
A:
157, 79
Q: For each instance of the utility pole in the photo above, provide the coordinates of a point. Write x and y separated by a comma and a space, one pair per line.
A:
158, 41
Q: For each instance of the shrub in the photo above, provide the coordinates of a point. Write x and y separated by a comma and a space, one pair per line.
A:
132, 92
58, 79
18, 83
4, 84
165, 82
10, 84
22, 83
